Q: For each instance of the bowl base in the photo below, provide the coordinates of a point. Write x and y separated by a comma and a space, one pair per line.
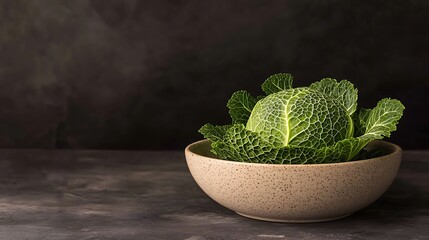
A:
286, 220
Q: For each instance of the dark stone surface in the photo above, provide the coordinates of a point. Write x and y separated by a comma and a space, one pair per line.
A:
147, 74
62, 195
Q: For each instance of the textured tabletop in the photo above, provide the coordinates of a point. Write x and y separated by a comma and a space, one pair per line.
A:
151, 195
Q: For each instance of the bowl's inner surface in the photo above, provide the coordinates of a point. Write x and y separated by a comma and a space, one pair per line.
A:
203, 148
386, 147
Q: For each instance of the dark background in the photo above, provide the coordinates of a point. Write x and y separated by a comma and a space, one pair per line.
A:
147, 74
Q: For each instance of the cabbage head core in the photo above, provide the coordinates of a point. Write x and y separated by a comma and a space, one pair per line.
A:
300, 117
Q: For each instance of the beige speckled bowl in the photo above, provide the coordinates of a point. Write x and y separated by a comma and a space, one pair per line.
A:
293, 193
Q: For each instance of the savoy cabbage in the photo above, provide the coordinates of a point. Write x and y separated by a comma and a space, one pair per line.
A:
315, 124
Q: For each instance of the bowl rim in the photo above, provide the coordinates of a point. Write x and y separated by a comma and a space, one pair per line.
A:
396, 150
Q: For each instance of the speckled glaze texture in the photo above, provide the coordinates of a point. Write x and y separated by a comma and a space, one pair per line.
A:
293, 193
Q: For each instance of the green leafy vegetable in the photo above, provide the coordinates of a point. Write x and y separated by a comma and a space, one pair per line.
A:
240, 106
277, 82
315, 124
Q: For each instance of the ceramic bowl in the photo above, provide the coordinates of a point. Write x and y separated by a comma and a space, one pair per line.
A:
294, 193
